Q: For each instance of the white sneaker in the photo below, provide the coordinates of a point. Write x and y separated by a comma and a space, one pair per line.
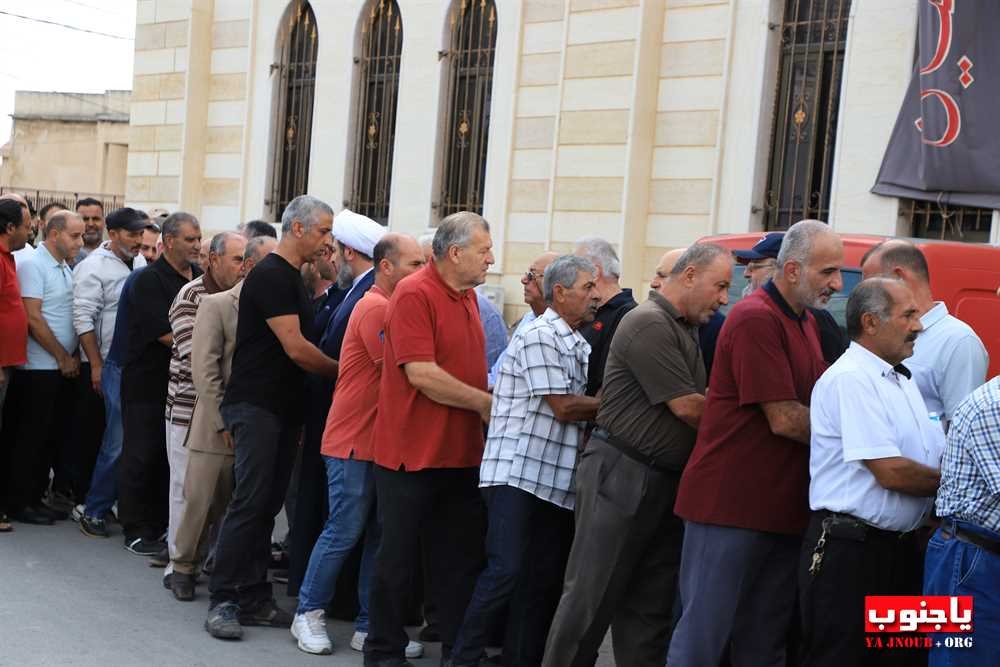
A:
413, 649
78, 512
310, 629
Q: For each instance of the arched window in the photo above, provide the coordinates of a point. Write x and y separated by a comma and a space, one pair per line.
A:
473, 25
375, 114
295, 90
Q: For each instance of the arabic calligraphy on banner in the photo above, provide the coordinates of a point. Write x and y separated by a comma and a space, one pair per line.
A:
915, 613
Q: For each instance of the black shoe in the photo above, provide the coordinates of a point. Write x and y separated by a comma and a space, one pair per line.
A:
429, 633
279, 576
223, 621
268, 614
183, 586
29, 515
140, 546
160, 558
51, 512
93, 527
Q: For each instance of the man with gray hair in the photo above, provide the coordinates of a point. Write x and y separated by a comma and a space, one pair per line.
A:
529, 468
743, 494
262, 412
144, 472
874, 460
615, 302
622, 568
223, 270
429, 437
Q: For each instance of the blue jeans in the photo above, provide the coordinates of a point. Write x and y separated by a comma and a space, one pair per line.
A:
955, 567
104, 483
351, 488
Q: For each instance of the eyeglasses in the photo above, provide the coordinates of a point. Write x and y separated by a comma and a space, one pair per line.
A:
531, 276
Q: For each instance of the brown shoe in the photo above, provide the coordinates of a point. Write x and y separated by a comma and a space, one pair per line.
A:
182, 586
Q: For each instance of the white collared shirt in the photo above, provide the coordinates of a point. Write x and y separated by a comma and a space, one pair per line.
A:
863, 409
949, 361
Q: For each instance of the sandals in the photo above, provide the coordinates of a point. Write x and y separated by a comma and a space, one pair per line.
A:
5, 526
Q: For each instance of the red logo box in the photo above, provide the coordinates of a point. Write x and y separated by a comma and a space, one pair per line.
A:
918, 613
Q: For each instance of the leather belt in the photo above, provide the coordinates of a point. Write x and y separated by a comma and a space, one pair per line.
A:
952, 530
628, 450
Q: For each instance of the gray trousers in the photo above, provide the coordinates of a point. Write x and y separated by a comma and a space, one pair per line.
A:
622, 568
738, 589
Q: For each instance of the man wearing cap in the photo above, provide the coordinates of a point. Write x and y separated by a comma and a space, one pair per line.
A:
97, 288
355, 237
761, 263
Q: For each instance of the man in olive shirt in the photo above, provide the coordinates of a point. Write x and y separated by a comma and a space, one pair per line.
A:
625, 558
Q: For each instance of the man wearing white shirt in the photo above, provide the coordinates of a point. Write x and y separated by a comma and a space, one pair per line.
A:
874, 458
949, 361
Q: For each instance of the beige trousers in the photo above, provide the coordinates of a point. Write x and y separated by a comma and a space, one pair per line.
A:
208, 486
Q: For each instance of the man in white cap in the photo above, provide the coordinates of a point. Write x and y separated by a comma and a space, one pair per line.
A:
355, 237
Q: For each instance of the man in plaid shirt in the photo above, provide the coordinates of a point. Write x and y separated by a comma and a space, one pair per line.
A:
528, 469
963, 556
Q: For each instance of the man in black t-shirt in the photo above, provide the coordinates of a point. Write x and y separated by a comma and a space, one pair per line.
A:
143, 468
615, 302
262, 411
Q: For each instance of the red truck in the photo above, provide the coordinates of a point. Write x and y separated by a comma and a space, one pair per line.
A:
963, 275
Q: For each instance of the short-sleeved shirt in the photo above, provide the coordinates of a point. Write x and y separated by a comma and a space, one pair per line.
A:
865, 409
263, 374
522, 324
44, 278
427, 320
181, 394
351, 420
740, 474
655, 357
949, 361
147, 360
13, 318
601, 332
527, 447
970, 468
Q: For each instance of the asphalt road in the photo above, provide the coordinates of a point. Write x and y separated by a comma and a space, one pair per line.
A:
68, 599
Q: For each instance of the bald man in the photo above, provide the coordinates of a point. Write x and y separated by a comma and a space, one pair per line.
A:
708, 333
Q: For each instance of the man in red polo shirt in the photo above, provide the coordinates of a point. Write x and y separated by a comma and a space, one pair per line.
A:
15, 223
428, 437
744, 492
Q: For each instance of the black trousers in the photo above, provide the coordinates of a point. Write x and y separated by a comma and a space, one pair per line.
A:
623, 565
445, 506
831, 602
144, 473
36, 425
264, 454
75, 457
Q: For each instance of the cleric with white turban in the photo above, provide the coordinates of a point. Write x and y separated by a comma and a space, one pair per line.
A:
357, 232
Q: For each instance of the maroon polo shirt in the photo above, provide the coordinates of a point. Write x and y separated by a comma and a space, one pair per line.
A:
740, 474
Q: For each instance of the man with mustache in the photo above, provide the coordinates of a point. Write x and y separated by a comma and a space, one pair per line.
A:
874, 461
528, 469
91, 211
622, 569
97, 291
744, 492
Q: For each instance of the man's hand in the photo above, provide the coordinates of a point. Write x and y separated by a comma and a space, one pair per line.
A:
68, 366
228, 438
486, 408
95, 377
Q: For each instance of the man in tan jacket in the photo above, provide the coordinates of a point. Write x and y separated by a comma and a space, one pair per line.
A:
208, 482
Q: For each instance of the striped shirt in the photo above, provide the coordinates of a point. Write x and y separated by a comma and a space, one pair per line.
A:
970, 469
180, 389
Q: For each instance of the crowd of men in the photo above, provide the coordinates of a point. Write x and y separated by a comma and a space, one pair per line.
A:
712, 489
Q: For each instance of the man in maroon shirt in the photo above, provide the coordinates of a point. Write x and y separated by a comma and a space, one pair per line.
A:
744, 492
428, 438
15, 222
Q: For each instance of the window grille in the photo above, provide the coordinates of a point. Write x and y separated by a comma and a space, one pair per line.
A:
813, 41
295, 88
929, 220
470, 57
375, 114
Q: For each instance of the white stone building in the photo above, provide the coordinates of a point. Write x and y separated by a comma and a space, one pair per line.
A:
649, 122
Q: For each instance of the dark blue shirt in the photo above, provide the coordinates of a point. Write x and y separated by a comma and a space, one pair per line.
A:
121, 321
